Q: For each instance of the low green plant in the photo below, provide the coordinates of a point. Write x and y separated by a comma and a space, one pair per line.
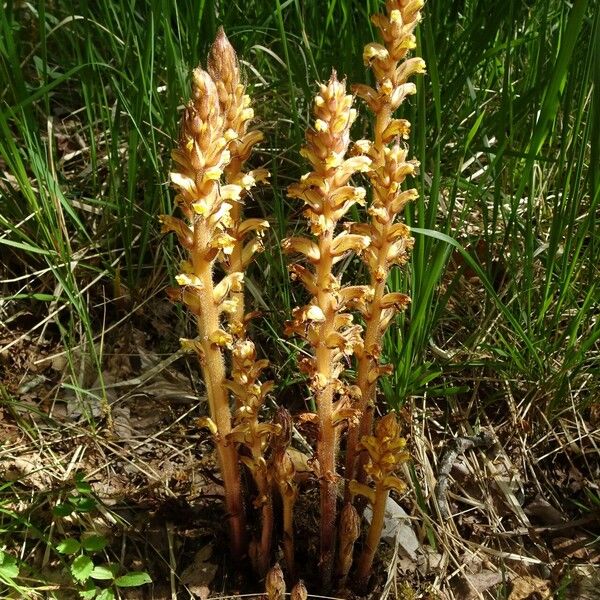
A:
93, 573
77, 556
9, 569
94, 577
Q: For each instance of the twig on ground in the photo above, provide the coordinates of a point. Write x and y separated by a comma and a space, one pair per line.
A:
484, 439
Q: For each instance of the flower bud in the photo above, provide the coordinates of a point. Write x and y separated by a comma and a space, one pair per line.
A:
387, 427
275, 584
283, 418
299, 591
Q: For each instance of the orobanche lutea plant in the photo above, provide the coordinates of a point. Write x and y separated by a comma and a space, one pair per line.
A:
341, 324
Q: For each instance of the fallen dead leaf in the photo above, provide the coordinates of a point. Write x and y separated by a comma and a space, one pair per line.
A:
429, 562
577, 548
198, 576
122, 423
530, 588
477, 583
585, 583
542, 510
28, 468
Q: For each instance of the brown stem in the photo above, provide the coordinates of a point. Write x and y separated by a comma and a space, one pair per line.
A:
363, 572
213, 372
266, 535
327, 439
288, 534
228, 465
366, 401
284, 474
354, 464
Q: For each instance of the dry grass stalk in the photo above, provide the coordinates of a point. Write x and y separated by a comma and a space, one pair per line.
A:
323, 323
390, 240
214, 121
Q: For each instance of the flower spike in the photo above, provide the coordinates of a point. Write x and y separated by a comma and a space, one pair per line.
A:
207, 173
329, 331
390, 240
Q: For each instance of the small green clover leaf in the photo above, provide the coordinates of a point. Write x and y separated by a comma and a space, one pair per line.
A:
93, 542
105, 572
9, 569
89, 591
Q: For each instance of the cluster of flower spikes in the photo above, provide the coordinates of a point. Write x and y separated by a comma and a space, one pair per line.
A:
214, 144
249, 392
390, 240
324, 322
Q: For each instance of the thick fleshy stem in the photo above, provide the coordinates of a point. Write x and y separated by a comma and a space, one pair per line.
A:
256, 437
213, 371
284, 474
323, 322
365, 563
